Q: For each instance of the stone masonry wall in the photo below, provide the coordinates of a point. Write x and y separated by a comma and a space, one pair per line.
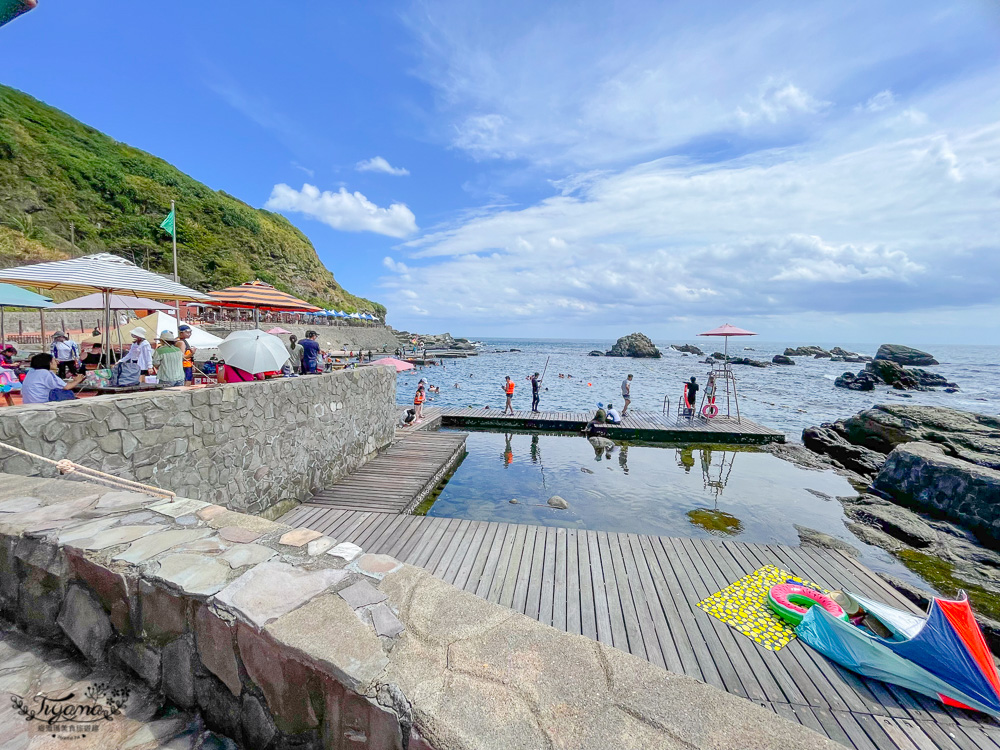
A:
281, 638
247, 446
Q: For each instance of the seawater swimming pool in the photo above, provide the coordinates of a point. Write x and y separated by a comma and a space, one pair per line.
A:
700, 491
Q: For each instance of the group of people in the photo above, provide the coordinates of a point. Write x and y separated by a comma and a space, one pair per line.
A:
171, 361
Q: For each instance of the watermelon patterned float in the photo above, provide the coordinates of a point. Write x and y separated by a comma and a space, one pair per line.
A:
791, 601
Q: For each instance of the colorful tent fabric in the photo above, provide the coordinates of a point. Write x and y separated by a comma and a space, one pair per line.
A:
257, 294
15, 296
942, 655
154, 324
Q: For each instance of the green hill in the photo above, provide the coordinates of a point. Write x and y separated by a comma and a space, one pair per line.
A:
55, 170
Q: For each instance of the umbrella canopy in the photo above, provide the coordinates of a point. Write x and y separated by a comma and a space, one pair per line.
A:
95, 301
278, 330
156, 322
942, 655
15, 296
256, 353
727, 330
399, 364
260, 296
102, 271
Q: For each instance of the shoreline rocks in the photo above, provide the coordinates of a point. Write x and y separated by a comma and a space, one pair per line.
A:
688, 348
837, 354
634, 345
887, 372
781, 359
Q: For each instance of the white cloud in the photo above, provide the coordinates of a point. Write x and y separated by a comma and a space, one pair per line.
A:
394, 265
349, 212
378, 164
777, 101
880, 101
310, 172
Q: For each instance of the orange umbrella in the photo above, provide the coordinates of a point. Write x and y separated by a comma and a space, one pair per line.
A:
260, 296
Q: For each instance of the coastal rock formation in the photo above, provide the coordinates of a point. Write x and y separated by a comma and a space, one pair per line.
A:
634, 345
781, 359
806, 351
829, 441
849, 356
557, 502
689, 348
883, 371
433, 342
905, 355
863, 381
596, 353
747, 361
822, 355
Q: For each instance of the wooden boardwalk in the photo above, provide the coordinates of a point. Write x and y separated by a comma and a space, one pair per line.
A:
643, 426
638, 593
398, 479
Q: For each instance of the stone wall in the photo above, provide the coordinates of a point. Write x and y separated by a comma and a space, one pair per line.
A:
246, 446
282, 639
924, 477
348, 338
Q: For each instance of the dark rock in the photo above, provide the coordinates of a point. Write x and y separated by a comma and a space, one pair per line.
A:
634, 345
812, 538
719, 356
806, 351
903, 524
747, 361
596, 353
922, 476
904, 355
828, 442
781, 359
557, 502
85, 623
860, 382
822, 355
689, 348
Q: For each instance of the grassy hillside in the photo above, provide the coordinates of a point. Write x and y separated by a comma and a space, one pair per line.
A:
55, 170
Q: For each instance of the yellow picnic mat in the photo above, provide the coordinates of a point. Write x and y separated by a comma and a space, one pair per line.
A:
743, 606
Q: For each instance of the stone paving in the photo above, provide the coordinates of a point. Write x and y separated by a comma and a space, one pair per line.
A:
291, 639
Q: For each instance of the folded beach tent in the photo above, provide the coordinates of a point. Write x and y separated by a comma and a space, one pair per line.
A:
942, 655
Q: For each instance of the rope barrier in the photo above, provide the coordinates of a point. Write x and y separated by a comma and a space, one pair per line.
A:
65, 466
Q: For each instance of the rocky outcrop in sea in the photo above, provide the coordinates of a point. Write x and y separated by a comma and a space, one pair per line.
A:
905, 355
837, 354
634, 345
688, 348
887, 372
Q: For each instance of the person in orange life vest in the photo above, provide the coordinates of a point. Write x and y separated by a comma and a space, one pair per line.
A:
508, 389
183, 334
418, 402
690, 397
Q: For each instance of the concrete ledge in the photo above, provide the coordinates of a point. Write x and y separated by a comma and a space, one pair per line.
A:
293, 649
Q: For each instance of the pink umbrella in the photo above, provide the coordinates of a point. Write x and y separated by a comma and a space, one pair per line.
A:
277, 331
727, 331
399, 364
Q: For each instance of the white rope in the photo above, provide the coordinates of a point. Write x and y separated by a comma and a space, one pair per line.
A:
65, 466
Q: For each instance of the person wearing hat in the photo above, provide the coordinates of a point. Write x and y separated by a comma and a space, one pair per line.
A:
168, 360
183, 334
65, 353
140, 352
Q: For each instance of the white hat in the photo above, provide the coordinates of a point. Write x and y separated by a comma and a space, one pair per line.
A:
139, 333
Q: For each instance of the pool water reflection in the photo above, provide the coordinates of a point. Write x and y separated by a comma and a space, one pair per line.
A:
702, 491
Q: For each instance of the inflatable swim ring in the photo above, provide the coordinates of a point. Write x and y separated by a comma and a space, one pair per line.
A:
710, 410
790, 602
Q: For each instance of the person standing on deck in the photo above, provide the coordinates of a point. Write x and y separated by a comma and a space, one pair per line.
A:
508, 390
536, 385
418, 402
65, 353
627, 394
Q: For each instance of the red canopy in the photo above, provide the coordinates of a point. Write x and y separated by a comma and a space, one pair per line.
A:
727, 330
260, 296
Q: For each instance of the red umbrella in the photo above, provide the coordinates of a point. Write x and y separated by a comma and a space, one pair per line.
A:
727, 331
399, 364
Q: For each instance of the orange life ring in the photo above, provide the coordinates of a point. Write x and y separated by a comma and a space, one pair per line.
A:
710, 410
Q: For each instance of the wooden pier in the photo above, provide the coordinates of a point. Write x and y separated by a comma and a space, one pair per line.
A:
641, 426
398, 479
638, 593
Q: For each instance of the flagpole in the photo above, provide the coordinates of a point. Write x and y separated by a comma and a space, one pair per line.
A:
177, 303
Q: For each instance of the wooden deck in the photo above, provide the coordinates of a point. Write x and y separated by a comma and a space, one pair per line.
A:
398, 479
642, 426
638, 593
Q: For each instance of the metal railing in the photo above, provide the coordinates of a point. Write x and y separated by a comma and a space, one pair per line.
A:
666, 405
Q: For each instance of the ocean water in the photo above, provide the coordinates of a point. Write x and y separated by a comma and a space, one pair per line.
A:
788, 398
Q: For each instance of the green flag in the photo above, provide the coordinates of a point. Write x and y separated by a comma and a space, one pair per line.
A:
168, 223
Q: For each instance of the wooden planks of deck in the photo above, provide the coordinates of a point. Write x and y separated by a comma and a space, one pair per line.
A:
647, 426
398, 479
638, 593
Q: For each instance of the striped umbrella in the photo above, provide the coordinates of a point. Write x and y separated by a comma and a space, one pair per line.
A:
260, 296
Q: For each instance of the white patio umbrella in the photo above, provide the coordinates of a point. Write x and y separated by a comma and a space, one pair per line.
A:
254, 351
105, 273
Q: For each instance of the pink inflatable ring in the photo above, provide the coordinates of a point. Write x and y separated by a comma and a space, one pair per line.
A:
791, 601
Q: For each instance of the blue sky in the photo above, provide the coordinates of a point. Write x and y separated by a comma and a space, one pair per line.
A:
811, 171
